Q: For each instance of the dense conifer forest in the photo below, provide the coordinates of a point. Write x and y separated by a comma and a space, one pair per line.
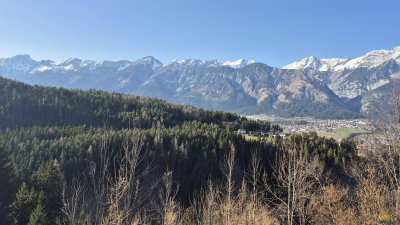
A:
91, 157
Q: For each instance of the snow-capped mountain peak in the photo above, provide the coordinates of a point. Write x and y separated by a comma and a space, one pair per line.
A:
237, 63
149, 61
396, 49
314, 63
310, 62
369, 60
17, 64
22, 57
374, 58
213, 62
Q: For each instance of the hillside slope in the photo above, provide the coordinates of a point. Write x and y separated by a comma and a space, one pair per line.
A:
22, 104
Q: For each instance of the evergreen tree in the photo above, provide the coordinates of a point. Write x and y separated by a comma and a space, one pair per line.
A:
48, 179
23, 205
38, 216
7, 187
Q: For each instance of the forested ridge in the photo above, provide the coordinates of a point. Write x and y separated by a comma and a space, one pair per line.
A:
26, 105
91, 157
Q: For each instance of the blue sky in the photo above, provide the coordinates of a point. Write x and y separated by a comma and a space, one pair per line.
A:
274, 32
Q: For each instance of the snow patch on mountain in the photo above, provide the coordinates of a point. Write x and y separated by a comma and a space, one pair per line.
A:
69, 68
123, 82
395, 76
126, 65
377, 84
213, 63
41, 69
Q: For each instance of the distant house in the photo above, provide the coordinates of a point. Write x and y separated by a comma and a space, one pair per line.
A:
282, 134
241, 131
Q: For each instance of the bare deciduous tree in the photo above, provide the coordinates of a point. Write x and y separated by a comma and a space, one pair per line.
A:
169, 209
254, 178
74, 204
113, 193
227, 169
296, 177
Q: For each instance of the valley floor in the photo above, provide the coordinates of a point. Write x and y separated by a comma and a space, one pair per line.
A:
336, 129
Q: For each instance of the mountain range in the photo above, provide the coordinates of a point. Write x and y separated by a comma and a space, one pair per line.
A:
320, 88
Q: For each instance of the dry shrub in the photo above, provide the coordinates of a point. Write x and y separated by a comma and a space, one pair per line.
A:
333, 207
214, 207
373, 197
363, 205
119, 212
169, 210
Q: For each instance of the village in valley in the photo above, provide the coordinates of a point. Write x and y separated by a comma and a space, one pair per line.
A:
331, 128
261, 133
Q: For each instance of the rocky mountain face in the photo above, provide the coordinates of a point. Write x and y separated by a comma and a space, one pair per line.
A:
362, 82
322, 88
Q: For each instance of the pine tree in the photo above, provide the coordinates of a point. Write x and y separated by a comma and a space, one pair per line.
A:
48, 179
23, 205
7, 187
38, 216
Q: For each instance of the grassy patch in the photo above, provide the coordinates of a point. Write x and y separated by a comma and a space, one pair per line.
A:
341, 133
250, 138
